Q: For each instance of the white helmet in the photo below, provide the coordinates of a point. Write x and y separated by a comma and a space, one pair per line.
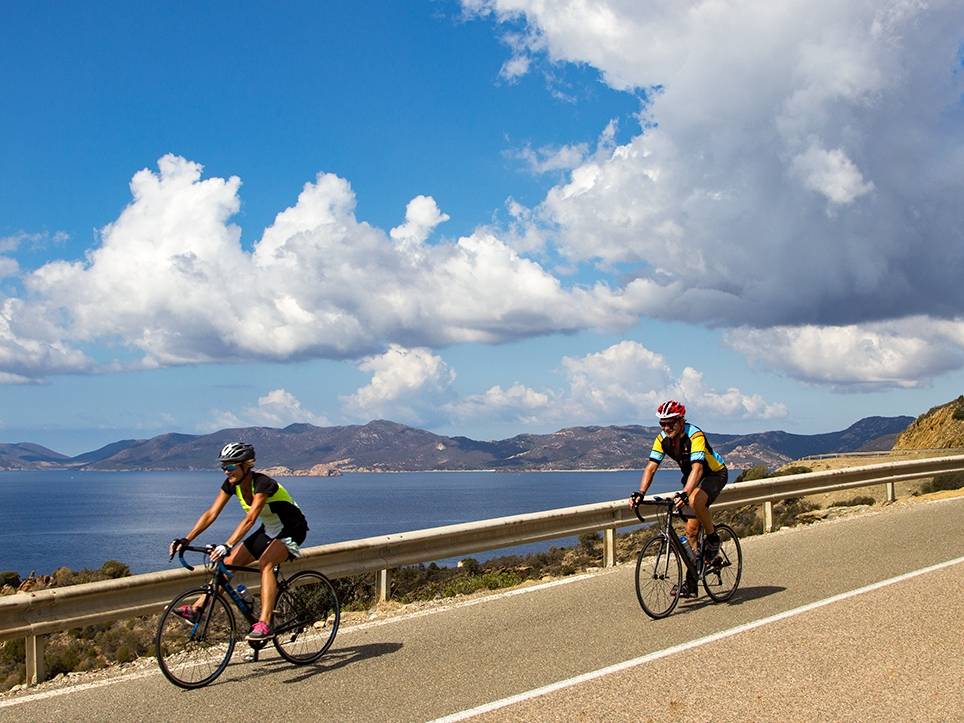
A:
236, 452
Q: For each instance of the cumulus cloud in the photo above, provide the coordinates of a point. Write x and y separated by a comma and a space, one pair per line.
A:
899, 354
170, 278
422, 215
277, 408
516, 403
29, 342
407, 385
792, 160
621, 384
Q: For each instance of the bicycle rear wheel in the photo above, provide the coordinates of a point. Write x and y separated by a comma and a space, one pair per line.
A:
658, 570
191, 654
306, 617
721, 576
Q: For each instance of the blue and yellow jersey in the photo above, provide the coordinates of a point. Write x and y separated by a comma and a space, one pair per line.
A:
688, 449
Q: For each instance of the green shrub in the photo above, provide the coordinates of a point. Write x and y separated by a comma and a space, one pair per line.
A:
10, 578
745, 520
14, 651
757, 471
588, 541
858, 500
793, 469
113, 569
785, 511
958, 408
946, 481
470, 566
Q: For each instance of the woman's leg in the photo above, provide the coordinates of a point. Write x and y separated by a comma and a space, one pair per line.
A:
275, 554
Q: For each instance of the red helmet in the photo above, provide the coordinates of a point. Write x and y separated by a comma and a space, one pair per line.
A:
670, 409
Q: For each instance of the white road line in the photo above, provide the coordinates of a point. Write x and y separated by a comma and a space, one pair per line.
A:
625, 665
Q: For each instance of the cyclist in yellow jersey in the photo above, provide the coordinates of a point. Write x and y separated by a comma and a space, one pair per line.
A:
704, 475
283, 528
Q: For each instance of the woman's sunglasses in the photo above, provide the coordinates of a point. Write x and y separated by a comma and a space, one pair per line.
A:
230, 467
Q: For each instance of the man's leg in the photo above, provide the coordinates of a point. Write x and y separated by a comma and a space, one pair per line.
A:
698, 501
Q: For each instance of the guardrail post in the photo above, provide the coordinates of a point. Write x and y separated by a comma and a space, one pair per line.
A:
768, 516
36, 670
384, 583
890, 491
609, 547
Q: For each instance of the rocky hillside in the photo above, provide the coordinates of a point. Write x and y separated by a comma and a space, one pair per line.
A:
384, 445
939, 428
30, 456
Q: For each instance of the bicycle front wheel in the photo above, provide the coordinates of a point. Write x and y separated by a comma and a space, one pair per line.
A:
721, 575
659, 575
306, 617
193, 652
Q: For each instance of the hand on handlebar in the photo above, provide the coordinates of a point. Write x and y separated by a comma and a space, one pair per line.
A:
176, 544
634, 498
219, 552
680, 500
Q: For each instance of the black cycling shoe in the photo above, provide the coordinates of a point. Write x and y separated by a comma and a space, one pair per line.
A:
711, 547
686, 591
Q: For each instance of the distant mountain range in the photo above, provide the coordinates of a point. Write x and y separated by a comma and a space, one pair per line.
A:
387, 446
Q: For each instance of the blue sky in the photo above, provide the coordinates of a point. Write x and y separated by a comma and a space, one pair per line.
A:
481, 218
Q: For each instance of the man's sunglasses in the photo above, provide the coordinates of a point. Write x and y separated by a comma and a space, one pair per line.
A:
230, 467
668, 425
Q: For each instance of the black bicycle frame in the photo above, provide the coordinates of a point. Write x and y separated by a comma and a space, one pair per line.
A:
690, 557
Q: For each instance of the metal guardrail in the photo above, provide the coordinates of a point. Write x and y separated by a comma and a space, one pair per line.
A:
883, 452
34, 615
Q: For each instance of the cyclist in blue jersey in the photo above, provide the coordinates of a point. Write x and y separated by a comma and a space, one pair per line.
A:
283, 528
704, 475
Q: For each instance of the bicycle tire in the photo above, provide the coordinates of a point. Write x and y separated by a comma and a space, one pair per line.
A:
306, 617
658, 569
721, 576
192, 654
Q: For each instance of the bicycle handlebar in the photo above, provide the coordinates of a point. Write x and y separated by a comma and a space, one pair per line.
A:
189, 548
638, 500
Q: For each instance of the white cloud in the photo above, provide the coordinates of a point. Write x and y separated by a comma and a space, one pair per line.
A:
621, 384
548, 158
29, 342
407, 385
422, 215
516, 403
277, 408
35, 240
802, 155
514, 68
170, 278
900, 354
831, 173
8, 267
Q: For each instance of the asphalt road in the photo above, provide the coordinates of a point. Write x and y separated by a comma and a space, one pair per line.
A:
892, 651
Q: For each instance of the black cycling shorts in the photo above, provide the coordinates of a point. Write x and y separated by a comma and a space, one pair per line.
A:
712, 484
258, 541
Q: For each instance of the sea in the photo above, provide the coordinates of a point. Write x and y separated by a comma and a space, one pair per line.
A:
80, 519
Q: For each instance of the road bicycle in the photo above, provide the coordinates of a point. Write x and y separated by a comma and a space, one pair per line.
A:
659, 565
194, 649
